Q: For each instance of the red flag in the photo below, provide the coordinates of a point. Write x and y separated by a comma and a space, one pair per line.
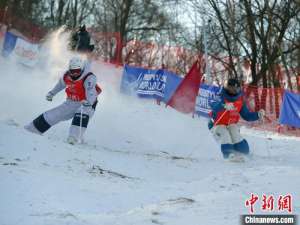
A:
184, 98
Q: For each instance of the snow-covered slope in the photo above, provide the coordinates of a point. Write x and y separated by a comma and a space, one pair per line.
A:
143, 164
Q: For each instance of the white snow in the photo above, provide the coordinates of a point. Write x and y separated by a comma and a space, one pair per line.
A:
46, 181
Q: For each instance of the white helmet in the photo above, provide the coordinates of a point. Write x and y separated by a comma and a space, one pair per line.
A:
76, 63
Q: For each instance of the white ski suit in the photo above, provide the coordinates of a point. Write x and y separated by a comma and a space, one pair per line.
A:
80, 109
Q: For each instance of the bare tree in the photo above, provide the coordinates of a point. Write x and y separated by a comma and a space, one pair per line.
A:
133, 19
68, 12
265, 32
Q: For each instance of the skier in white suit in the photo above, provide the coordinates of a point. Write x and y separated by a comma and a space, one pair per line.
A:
82, 90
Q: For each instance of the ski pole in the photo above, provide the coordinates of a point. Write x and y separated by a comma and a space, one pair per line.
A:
80, 128
266, 134
223, 114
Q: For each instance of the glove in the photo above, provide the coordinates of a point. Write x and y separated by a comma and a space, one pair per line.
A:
49, 96
85, 103
229, 106
261, 114
210, 124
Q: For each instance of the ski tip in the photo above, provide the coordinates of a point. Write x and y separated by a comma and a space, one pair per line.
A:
30, 128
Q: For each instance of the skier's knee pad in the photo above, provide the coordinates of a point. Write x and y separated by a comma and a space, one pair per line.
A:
80, 121
226, 149
41, 124
242, 147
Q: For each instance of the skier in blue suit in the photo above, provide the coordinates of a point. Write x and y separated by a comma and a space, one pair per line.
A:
224, 118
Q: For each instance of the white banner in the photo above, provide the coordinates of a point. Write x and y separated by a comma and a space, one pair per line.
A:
26, 53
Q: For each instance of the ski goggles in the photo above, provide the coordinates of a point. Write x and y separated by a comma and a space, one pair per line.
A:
75, 72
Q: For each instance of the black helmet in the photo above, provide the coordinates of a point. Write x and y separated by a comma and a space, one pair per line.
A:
82, 28
232, 86
233, 82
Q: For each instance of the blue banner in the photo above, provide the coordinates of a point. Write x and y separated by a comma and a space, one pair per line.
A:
9, 43
148, 83
173, 80
290, 109
207, 95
